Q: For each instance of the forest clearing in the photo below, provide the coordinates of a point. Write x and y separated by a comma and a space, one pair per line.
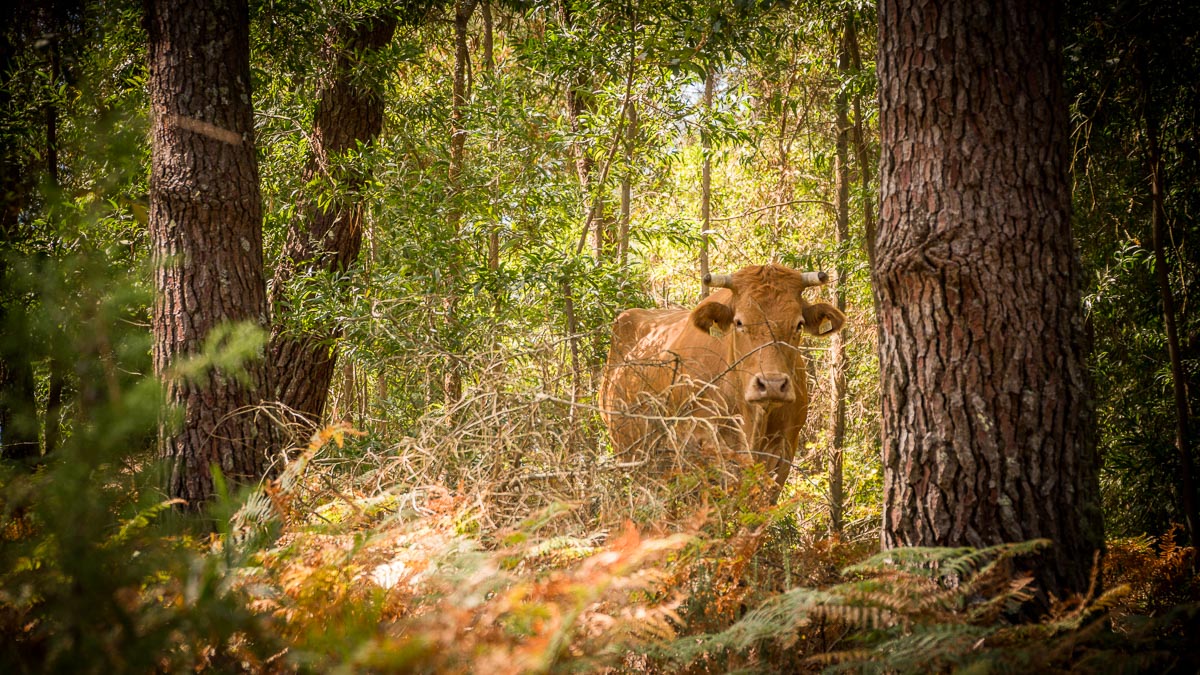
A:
663, 336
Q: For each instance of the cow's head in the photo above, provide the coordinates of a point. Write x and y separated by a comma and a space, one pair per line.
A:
762, 319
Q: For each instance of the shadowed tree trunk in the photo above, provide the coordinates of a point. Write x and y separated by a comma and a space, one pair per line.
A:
206, 231
349, 114
54, 395
1159, 236
18, 402
987, 420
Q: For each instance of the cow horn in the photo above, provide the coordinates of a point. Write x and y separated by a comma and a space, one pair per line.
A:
719, 280
814, 278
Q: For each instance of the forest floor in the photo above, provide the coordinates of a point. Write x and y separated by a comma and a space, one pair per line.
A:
318, 572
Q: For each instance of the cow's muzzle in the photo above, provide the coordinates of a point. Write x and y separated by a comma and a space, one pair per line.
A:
770, 388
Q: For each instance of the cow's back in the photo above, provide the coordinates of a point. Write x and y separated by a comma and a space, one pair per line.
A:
658, 367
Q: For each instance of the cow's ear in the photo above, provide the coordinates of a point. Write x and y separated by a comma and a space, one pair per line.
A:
823, 319
711, 312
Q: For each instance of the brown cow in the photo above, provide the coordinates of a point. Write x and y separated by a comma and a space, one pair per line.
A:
732, 365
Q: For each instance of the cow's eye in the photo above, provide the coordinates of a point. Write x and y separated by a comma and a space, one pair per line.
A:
738, 323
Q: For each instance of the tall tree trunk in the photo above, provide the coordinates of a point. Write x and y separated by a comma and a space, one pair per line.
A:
860, 151
349, 113
489, 66
206, 231
631, 134
18, 402
581, 102
987, 419
52, 424
489, 59
1158, 226
452, 378
705, 184
18, 395
837, 345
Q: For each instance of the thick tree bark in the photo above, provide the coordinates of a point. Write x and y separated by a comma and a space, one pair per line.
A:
206, 230
349, 113
837, 344
987, 420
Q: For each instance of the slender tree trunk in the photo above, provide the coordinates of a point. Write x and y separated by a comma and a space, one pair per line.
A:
705, 185
18, 402
54, 395
349, 113
987, 419
452, 379
489, 66
861, 154
580, 102
206, 230
489, 59
631, 134
837, 345
1158, 226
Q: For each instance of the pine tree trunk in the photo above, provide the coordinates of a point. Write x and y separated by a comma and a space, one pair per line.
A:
349, 112
206, 230
987, 420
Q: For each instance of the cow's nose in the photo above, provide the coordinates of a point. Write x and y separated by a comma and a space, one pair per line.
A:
770, 388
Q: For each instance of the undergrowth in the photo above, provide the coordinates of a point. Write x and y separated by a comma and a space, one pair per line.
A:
342, 567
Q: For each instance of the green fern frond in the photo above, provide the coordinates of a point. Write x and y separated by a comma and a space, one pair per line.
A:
871, 618
930, 648
943, 563
1017, 593
845, 656
776, 619
562, 548
140, 521
902, 599
924, 560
